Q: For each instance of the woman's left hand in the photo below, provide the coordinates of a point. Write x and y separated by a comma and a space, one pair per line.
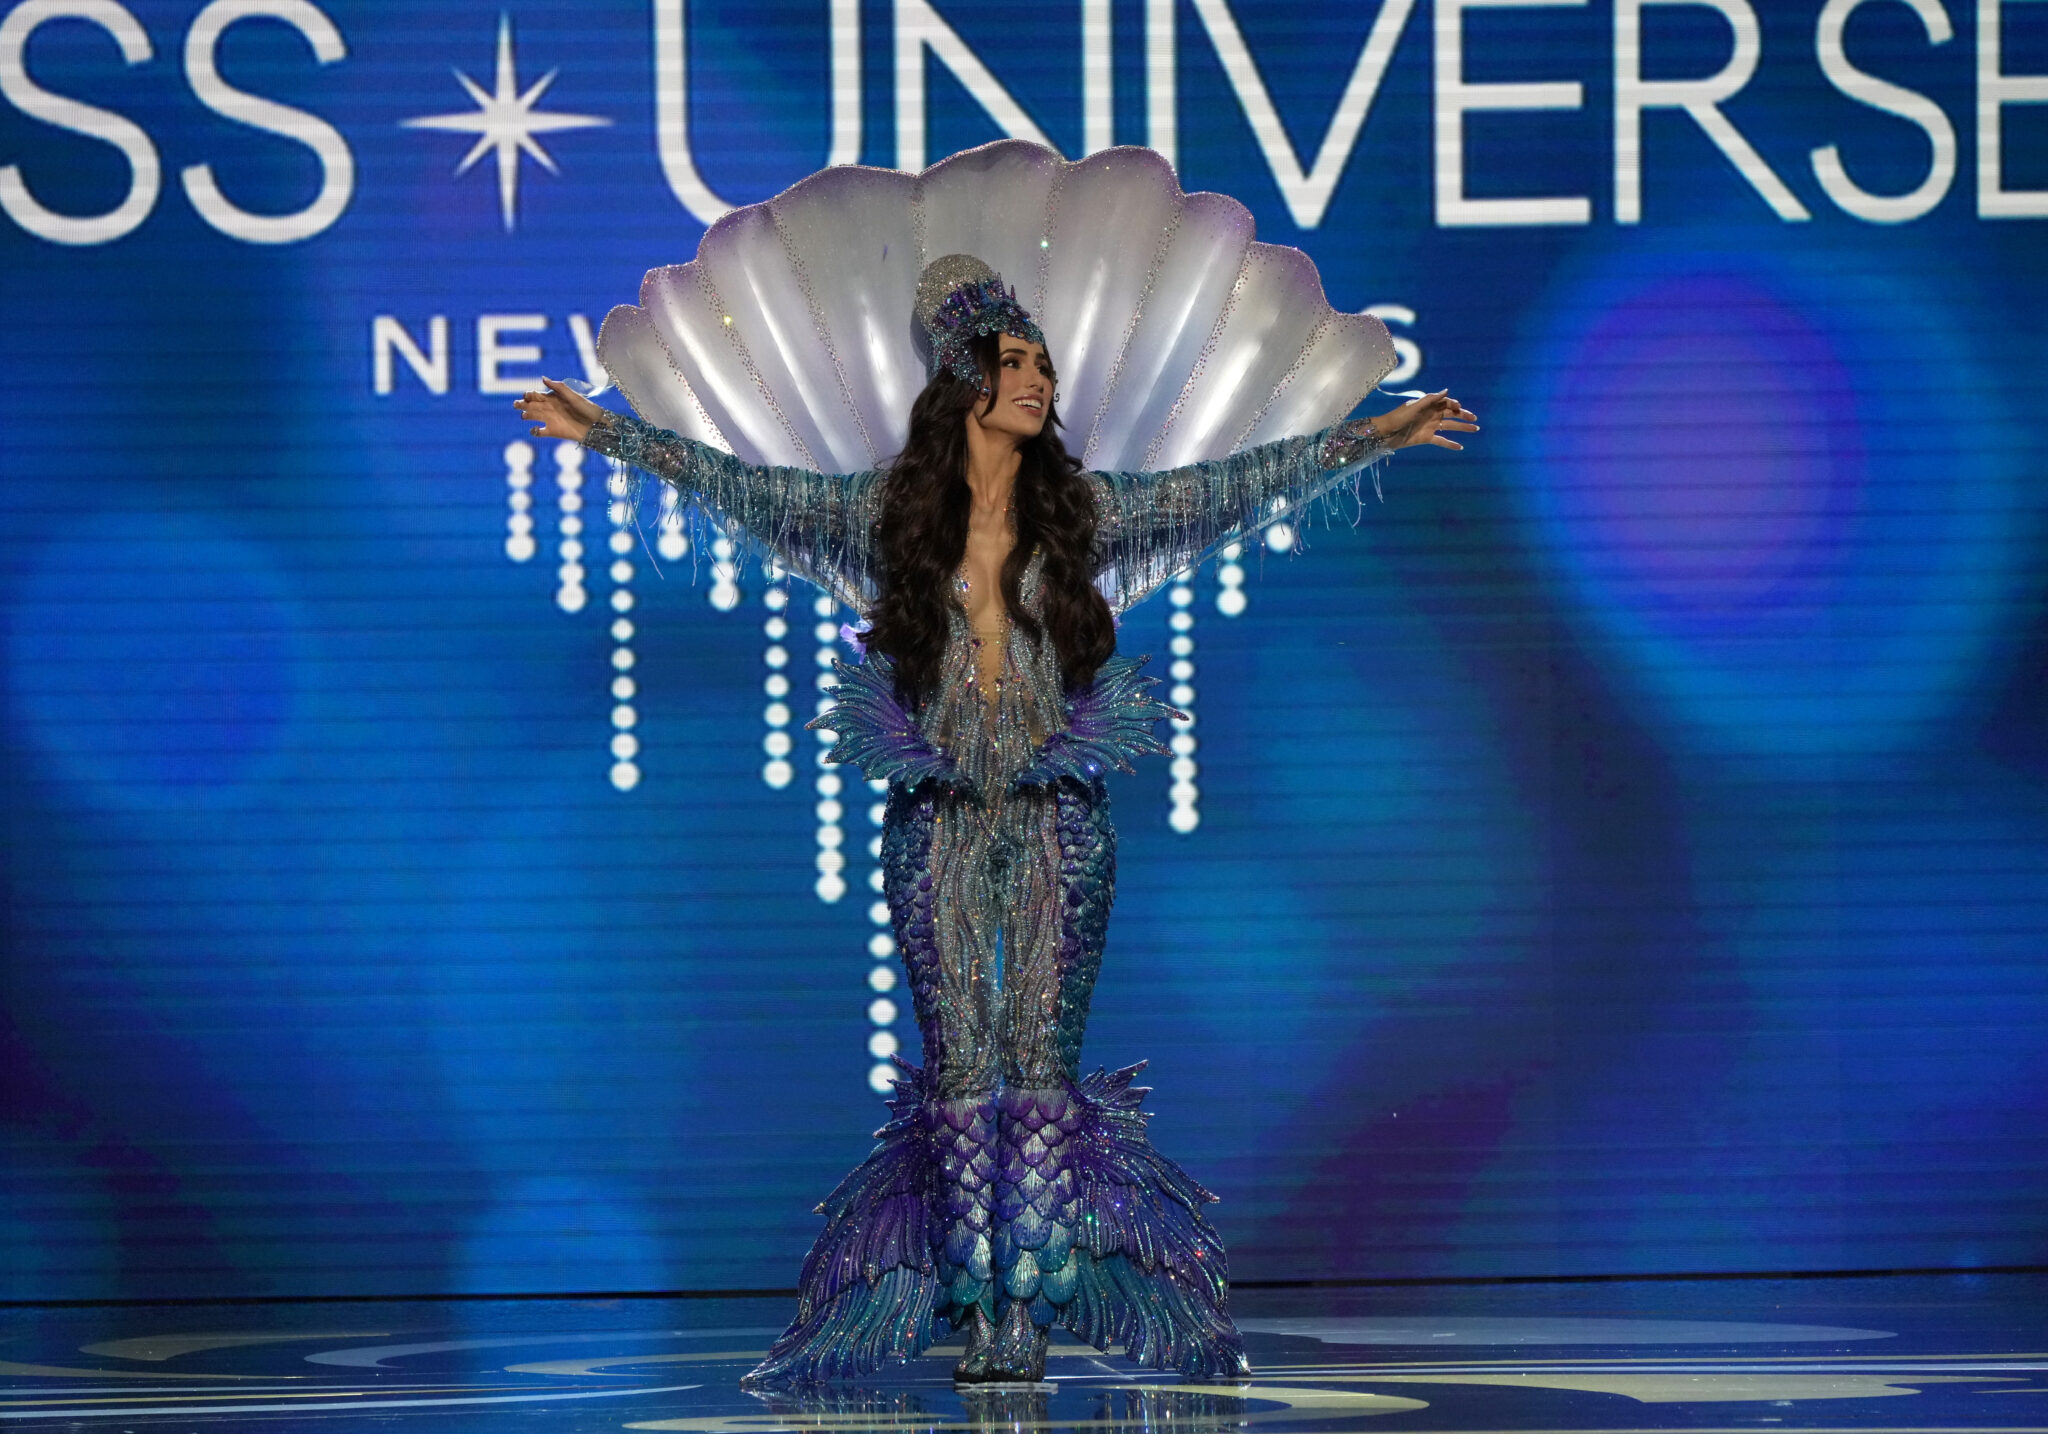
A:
1425, 420
560, 412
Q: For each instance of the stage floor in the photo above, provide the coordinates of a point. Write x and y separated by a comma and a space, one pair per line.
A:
1933, 1355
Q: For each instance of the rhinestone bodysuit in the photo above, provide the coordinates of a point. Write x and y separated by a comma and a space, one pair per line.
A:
1008, 1193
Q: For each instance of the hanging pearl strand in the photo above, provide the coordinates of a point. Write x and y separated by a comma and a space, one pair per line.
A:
1230, 597
776, 771
571, 595
519, 544
831, 883
1183, 795
882, 1011
625, 772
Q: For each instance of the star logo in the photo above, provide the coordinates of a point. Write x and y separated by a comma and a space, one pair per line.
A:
507, 122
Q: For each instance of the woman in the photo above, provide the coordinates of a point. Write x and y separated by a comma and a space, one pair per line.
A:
1008, 1194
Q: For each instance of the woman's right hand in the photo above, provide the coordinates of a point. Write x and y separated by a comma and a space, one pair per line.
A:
560, 412
1423, 420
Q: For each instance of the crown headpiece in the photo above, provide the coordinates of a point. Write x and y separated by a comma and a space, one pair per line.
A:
960, 299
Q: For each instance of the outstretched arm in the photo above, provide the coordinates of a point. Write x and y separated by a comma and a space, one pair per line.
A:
1152, 525
819, 524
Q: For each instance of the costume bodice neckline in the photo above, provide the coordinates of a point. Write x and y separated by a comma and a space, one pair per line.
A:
992, 730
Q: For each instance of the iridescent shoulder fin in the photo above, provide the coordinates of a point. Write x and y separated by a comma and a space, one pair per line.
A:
1108, 724
879, 734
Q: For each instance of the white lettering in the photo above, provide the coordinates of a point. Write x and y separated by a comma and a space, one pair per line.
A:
1892, 99
1160, 73
1699, 98
1098, 95
1455, 96
145, 172
1407, 353
919, 28
1307, 194
337, 165
490, 354
845, 22
1995, 90
672, 102
388, 336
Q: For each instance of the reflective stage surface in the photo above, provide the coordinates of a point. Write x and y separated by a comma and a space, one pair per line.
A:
1935, 1355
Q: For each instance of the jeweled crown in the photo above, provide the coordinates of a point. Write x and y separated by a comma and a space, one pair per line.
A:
960, 299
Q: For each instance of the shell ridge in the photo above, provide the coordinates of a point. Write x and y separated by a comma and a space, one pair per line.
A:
674, 362
1045, 232
669, 294
1352, 356
751, 281
1094, 288
1250, 425
1196, 272
848, 229
920, 223
824, 330
626, 391
1123, 352
747, 365
760, 298
629, 315
1201, 363
1216, 344
1270, 337
986, 201
650, 281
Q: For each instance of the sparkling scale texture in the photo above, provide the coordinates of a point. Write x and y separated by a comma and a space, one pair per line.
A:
1005, 1182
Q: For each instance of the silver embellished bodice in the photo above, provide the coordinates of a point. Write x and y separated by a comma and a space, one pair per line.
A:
992, 736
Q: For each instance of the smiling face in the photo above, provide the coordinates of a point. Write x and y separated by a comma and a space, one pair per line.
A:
1023, 390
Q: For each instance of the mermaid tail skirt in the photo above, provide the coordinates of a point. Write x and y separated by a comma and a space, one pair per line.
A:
1059, 1204
1003, 1183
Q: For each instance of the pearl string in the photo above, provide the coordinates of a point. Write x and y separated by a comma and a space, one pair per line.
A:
1183, 794
519, 544
625, 745
571, 595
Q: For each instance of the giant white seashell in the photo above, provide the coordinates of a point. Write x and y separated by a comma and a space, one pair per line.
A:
789, 338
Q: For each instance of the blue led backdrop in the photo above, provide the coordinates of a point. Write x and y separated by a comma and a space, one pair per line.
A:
1624, 849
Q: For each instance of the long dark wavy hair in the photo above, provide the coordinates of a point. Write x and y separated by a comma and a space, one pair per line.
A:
922, 538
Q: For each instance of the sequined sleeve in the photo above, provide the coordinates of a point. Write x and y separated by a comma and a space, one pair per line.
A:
1152, 525
819, 525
